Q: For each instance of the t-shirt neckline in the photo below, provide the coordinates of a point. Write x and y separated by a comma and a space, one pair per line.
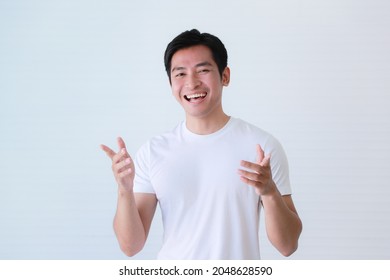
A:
188, 133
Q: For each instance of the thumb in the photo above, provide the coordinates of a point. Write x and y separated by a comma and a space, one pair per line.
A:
266, 161
260, 154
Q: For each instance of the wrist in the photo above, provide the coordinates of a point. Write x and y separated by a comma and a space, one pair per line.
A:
271, 191
124, 192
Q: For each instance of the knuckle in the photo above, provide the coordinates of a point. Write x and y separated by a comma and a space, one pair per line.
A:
117, 157
116, 167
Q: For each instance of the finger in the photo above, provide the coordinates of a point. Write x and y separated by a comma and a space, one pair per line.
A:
120, 155
110, 153
250, 182
250, 165
121, 143
266, 161
124, 164
246, 180
125, 172
250, 175
260, 154
255, 185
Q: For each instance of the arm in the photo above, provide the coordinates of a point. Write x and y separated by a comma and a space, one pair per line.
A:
133, 219
135, 211
283, 224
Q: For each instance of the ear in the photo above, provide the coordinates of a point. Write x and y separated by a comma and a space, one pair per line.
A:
226, 77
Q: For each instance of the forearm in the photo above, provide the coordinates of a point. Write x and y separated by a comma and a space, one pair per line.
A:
283, 224
128, 225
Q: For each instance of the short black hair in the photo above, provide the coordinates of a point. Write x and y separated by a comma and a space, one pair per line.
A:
191, 38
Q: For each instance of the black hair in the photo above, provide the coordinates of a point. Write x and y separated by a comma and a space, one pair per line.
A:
191, 38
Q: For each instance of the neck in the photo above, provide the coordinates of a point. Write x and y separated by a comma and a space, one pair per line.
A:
204, 126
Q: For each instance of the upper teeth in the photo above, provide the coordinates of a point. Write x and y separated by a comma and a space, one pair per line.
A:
196, 95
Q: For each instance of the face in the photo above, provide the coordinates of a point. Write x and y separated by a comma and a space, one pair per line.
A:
196, 82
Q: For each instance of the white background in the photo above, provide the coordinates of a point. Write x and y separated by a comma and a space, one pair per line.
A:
78, 73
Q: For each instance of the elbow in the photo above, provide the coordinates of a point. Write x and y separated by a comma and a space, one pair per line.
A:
130, 246
129, 253
290, 246
289, 250
131, 250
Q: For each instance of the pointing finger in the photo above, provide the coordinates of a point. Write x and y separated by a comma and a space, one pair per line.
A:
110, 153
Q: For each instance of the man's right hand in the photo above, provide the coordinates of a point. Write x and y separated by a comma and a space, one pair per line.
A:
122, 165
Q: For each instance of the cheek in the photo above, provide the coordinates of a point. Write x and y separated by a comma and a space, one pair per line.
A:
176, 88
175, 92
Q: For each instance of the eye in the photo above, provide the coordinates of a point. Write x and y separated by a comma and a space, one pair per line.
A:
204, 70
180, 74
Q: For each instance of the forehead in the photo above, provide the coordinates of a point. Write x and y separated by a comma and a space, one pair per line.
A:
192, 56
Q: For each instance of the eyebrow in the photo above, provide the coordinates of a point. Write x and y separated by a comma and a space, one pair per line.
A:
201, 64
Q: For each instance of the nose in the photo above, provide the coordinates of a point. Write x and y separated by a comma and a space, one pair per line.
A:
192, 82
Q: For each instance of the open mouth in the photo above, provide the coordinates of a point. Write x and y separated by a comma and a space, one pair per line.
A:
195, 97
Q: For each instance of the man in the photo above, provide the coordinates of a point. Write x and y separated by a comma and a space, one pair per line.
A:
210, 175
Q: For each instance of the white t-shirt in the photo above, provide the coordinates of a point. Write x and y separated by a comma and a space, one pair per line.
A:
207, 211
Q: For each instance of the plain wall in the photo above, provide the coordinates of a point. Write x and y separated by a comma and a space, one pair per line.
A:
75, 74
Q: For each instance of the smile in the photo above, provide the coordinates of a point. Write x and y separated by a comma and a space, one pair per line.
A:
195, 97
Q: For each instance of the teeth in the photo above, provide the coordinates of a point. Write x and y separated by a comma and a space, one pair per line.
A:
196, 95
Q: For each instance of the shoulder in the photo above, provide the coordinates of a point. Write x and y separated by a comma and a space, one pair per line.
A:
256, 135
251, 130
166, 138
162, 141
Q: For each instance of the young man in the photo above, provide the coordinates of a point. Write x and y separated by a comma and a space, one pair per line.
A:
211, 175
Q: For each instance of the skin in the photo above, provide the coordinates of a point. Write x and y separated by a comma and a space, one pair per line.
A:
195, 73
283, 225
134, 211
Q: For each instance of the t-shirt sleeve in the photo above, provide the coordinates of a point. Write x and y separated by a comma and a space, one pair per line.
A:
142, 183
279, 166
